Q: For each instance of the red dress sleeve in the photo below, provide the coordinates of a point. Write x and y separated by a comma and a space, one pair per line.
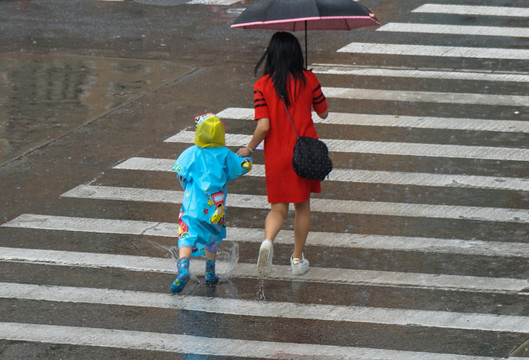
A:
260, 105
319, 101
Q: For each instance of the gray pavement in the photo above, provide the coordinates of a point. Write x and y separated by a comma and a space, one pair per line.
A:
419, 247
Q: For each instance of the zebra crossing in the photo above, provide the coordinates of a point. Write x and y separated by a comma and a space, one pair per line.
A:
179, 2
317, 204
476, 10
497, 268
274, 310
281, 272
216, 346
436, 50
395, 148
365, 176
456, 29
483, 75
316, 238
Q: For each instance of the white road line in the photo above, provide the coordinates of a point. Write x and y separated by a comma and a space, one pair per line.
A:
427, 179
426, 96
198, 2
279, 272
365, 176
93, 225
419, 122
342, 69
473, 10
456, 29
253, 235
390, 148
317, 205
436, 51
139, 340
213, 2
282, 310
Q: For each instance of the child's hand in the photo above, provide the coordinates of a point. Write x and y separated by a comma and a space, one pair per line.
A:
247, 164
244, 152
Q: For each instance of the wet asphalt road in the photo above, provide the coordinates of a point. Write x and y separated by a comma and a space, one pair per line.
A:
88, 85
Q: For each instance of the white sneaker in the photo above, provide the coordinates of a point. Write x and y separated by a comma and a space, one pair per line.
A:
264, 262
299, 266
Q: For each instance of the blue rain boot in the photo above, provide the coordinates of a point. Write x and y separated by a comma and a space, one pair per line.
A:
183, 276
211, 278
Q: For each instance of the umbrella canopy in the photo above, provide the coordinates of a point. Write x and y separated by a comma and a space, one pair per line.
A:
303, 15
296, 15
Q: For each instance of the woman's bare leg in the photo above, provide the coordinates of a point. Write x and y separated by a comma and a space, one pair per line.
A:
301, 227
275, 219
274, 222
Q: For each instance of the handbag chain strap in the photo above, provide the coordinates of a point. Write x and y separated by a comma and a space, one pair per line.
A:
289, 118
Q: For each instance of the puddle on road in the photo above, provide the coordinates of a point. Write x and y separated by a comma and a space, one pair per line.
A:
227, 259
45, 96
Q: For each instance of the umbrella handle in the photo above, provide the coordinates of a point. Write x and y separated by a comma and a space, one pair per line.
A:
306, 52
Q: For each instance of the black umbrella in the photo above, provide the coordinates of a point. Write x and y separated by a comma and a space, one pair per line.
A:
297, 15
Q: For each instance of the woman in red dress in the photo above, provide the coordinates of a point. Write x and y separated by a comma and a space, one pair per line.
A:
285, 79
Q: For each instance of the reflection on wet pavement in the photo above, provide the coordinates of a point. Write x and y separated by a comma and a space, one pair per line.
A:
43, 97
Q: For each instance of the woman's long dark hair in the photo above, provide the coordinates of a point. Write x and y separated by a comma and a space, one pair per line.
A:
284, 58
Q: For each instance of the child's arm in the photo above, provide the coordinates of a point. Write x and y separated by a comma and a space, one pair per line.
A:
180, 174
182, 167
238, 166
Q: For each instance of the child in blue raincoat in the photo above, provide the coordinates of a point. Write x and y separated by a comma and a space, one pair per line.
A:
204, 171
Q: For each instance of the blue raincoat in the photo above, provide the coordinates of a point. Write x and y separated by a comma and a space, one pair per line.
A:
204, 171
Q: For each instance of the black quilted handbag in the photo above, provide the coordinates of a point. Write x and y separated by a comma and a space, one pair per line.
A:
311, 156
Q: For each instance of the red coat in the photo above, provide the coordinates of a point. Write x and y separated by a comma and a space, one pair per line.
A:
282, 183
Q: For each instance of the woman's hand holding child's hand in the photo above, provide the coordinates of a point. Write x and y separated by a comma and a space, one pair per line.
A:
244, 152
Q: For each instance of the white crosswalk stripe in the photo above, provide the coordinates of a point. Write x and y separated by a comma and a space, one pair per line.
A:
441, 319
343, 69
317, 204
477, 251
280, 272
419, 122
315, 238
192, 2
436, 51
115, 338
213, 2
479, 10
390, 148
427, 96
456, 29
365, 176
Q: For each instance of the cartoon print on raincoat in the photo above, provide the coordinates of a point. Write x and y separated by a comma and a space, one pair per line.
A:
204, 171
